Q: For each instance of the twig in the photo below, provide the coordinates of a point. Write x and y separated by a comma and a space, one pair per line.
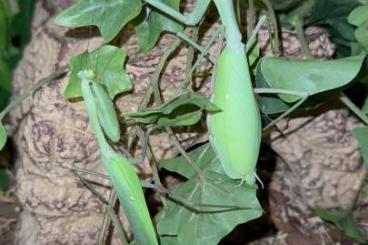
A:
29, 92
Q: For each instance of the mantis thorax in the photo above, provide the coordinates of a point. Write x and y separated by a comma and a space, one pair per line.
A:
87, 75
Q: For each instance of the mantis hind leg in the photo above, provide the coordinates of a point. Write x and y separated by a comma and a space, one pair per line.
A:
110, 213
303, 97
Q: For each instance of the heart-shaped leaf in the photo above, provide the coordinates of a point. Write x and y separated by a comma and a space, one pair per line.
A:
223, 203
107, 63
184, 110
110, 16
153, 23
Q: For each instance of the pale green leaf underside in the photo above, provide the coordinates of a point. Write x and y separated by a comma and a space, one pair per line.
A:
186, 109
359, 15
308, 76
179, 225
107, 63
110, 16
202, 156
361, 34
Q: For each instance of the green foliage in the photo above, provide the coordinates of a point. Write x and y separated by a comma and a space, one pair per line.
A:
5, 48
221, 202
109, 16
4, 180
183, 110
14, 35
344, 221
359, 18
3, 136
307, 75
361, 135
107, 63
359, 15
153, 23
333, 14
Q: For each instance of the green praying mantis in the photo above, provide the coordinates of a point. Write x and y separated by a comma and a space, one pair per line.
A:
235, 132
120, 170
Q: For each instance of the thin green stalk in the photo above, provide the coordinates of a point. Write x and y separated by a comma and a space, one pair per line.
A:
275, 44
251, 13
110, 211
349, 104
208, 46
29, 92
190, 57
253, 36
298, 25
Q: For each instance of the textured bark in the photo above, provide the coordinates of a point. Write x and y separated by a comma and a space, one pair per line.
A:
52, 135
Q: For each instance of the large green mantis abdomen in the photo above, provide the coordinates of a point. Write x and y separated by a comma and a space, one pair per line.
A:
235, 132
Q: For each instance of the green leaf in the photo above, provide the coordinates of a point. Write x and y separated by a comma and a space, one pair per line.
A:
107, 63
21, 26
3, 136
5, 83
308, 75
361, 34
184, 110
361, 135
270, 103
365, 105
4, 180
5, 20
224, 203
359, 15
153, 23
202, 156
333, 14
344, 221
110, 16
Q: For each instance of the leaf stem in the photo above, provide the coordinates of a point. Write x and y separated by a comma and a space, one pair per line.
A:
350, 105
29, 92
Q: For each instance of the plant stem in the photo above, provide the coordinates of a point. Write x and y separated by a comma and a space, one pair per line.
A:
275, 43
251, 17
253, 35
29, 92
349, 104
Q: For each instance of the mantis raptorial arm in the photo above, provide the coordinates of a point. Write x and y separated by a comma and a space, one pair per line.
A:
190, 19
303, 96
